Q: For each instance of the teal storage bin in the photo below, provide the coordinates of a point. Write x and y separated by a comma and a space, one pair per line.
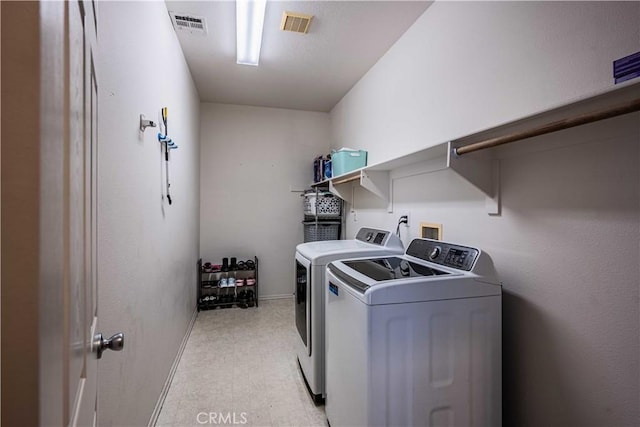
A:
345, 161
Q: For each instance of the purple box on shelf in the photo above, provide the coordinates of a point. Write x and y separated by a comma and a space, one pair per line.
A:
626, 68
319, 168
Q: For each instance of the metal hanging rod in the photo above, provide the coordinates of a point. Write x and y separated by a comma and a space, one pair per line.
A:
594, 116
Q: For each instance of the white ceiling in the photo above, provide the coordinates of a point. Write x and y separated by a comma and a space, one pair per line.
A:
298, 71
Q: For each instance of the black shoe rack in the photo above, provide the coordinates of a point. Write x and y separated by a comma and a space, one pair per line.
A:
215, 290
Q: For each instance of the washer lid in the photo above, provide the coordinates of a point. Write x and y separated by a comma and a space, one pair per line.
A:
368, 242
395, 279
391, 268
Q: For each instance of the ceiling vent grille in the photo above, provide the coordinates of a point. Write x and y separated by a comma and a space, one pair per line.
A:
295, 22
192, 24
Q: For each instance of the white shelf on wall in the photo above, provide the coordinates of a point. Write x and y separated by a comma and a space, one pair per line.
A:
378, 178
480, 168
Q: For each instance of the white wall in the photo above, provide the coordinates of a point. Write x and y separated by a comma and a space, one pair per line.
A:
147, 249
467, 66
251, 158
566, 245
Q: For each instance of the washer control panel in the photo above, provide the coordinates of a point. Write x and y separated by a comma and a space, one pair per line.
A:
447, 254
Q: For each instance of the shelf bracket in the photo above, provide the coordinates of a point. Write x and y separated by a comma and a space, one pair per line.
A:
481, 170
474, 168
376, 182
342, 190
493, 203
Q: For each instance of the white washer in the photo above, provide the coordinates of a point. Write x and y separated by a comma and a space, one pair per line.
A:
311, 262
414, 339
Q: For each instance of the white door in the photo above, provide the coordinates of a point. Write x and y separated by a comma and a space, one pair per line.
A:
50, 302
81, 190
82, 349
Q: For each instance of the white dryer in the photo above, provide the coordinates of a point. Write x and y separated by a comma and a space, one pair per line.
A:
414, 339
311, 261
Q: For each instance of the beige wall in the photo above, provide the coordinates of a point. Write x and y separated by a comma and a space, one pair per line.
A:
251, 160
147, 249
566, 245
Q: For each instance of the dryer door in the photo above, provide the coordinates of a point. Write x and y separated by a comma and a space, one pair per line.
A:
303, 300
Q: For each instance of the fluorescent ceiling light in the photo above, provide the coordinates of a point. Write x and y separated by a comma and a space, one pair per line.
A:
249, 23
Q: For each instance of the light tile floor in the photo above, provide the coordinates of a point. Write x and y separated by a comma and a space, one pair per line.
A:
241, 362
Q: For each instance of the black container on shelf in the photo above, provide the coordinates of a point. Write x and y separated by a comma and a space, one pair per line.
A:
321, 230
322, 215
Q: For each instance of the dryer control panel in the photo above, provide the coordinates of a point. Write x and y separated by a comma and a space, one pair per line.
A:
447, 254
373, 236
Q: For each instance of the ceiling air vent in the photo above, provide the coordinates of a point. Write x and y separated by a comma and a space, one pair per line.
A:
295, 22
192, 24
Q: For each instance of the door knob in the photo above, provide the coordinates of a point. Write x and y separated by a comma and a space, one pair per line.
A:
115, 343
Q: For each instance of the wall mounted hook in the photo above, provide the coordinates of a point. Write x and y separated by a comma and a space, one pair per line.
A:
144, 123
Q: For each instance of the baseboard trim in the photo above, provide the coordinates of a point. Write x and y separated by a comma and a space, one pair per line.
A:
270, 297
172, 372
